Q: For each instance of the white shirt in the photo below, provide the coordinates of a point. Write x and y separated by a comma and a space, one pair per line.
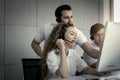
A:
88, 59
74, 61
45, 31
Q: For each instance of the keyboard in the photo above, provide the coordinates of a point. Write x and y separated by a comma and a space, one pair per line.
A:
93, 77
110, 78
115, 76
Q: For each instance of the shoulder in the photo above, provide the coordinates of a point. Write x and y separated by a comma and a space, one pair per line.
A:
95, 46
78, 31
81, 38
50, 25
52, 53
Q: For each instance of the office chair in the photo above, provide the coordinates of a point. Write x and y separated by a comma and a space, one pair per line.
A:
31, 68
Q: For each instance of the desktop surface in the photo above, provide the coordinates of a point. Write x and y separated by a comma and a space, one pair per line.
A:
115, 75
72, 78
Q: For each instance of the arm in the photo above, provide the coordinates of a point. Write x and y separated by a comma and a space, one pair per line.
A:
63, 67
91, 51
35, 46
93, 65
82, 41
89, 70
38, 38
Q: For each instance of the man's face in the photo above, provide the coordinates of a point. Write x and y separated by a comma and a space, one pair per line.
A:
98, 37
67, 16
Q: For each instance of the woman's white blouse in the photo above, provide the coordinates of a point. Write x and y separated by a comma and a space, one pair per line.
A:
74, 61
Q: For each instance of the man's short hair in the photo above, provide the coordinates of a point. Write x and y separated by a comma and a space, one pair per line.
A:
94, 29
59, 10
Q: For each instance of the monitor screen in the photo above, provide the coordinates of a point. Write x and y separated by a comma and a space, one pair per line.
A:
109, 58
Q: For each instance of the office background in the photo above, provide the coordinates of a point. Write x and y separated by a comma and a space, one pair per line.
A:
20, 19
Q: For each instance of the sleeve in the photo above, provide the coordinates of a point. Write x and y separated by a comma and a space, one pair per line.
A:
81, 65
89, 60
80, 37
40, 33
52, 62
86, 58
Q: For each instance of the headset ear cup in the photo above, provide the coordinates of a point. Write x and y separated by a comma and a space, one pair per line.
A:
62, 36
58, 20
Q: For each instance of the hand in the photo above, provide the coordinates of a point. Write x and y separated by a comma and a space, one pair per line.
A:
107, 73
93, 65
60, 44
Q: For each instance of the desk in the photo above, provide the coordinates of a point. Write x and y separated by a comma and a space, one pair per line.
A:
90, 77
72, 78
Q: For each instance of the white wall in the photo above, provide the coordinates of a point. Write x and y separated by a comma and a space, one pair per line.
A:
116, 10
22, 19
105, 11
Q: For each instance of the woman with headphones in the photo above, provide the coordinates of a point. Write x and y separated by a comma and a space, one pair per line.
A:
62, 61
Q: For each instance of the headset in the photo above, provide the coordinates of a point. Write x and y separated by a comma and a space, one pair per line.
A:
62, 34
58, 19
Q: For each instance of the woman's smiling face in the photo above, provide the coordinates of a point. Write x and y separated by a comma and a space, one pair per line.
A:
70, 36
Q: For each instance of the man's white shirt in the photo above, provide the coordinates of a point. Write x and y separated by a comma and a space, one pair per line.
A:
45, 31
88, 59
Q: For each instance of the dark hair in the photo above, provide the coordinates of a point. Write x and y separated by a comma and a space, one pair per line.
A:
59, 10
94, 29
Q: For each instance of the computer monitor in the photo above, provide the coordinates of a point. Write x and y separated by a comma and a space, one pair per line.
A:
109, 58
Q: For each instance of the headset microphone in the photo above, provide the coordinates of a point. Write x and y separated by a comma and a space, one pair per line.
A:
69, 41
